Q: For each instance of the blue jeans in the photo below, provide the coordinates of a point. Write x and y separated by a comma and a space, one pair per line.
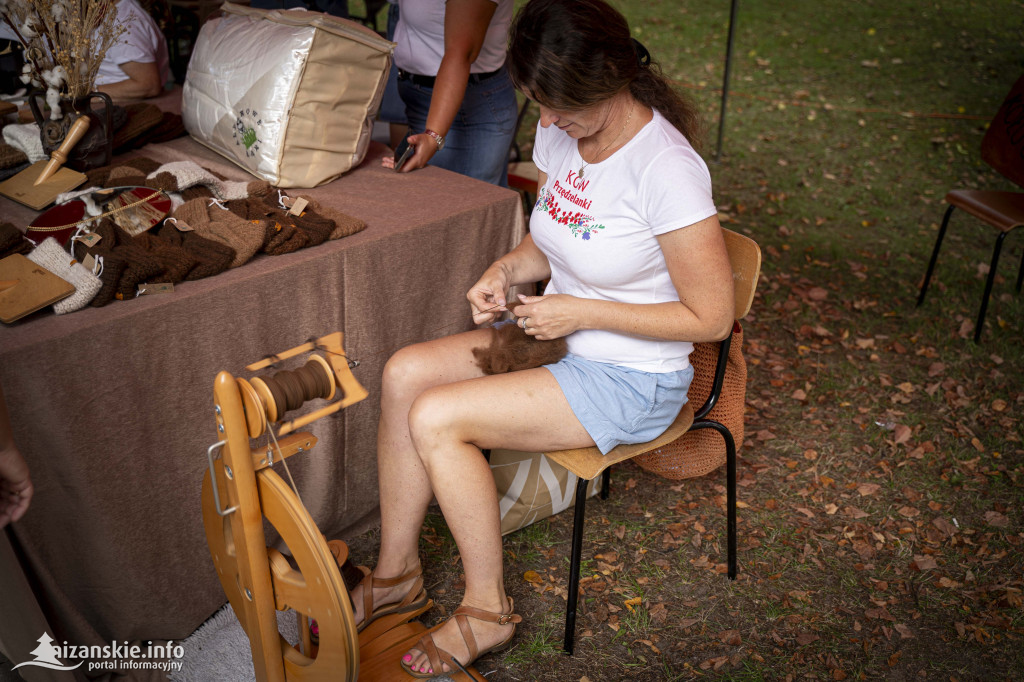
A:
477, 144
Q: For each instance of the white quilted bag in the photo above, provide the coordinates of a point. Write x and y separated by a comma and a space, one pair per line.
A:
288, 95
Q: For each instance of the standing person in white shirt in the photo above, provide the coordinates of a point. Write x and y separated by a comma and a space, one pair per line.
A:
459, 102
626, 229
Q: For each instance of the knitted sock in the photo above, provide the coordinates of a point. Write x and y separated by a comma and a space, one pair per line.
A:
344, 224
181, 175
142, 266
51, 256
176, 261
25, 138
213, 222
212, 257
99, 177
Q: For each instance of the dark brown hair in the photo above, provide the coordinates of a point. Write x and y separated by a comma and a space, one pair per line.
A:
572, 54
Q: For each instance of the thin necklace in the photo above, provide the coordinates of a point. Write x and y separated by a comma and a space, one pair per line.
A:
624, 125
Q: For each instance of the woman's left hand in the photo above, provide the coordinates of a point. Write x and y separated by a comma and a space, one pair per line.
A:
549, 317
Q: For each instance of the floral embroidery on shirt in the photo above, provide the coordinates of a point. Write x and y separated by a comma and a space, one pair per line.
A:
577, 222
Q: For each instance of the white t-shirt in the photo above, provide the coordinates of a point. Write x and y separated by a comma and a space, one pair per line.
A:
600, 233
141, 42
419, 37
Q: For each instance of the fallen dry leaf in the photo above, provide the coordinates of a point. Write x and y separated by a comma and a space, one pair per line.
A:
866, 489
996, 519
731, 637
923, 562
805, 638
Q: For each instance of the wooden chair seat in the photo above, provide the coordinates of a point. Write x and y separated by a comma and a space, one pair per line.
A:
1002, 148
1002, 210
589, 463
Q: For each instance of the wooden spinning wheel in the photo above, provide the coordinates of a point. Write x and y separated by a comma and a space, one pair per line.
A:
241, 492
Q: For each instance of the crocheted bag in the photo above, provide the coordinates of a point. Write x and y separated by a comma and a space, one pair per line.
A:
696, 453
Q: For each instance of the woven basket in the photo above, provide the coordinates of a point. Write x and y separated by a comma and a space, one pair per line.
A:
696, 453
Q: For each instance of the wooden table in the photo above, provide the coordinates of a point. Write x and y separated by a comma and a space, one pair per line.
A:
112, 407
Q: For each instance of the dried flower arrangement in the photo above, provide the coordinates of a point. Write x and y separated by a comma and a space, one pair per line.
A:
65, 41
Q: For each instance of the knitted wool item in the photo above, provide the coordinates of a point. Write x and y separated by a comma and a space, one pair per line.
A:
141, 165
142, 117
176, 261
13, 170
12, 241
10, 156
212, 257
126, 264
280, 235
181, 175
344, 224
512, 349
170, 127
208, 219
51, 256
25, 137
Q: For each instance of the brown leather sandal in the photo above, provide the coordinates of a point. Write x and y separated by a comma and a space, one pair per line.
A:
414, 598
438, 657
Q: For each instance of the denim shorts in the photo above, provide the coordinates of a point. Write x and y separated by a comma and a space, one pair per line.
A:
478, 142
619, 405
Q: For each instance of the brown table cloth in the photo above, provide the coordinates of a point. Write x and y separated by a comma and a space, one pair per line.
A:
113, 409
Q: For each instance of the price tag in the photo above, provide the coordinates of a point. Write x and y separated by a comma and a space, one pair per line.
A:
158, 288
90, 238
89, 263
181, 225
297, 207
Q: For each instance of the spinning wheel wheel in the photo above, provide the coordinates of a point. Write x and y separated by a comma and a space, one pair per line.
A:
241, 492
312, 587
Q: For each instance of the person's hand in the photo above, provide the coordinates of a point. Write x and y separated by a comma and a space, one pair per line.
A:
426, 147
15, 486
549, 317
488, 296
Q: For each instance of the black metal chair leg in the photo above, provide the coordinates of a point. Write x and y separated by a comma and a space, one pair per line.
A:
606, 478
935, 255
574, 565
988, 286
730, 488
1020, 272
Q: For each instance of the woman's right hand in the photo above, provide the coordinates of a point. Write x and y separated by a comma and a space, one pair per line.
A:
488, 296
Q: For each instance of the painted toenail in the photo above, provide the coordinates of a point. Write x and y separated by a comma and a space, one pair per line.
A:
407, 658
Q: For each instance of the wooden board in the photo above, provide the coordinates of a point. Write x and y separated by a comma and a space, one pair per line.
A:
21, 187
26, 287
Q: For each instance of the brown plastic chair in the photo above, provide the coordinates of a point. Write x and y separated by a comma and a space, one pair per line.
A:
1002, 148
589, 463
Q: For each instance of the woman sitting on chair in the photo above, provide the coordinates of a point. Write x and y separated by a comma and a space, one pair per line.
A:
626, 229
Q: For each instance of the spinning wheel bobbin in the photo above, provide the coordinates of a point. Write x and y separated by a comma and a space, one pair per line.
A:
261, 405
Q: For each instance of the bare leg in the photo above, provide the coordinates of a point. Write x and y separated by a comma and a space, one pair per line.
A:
449, 423
405, 490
